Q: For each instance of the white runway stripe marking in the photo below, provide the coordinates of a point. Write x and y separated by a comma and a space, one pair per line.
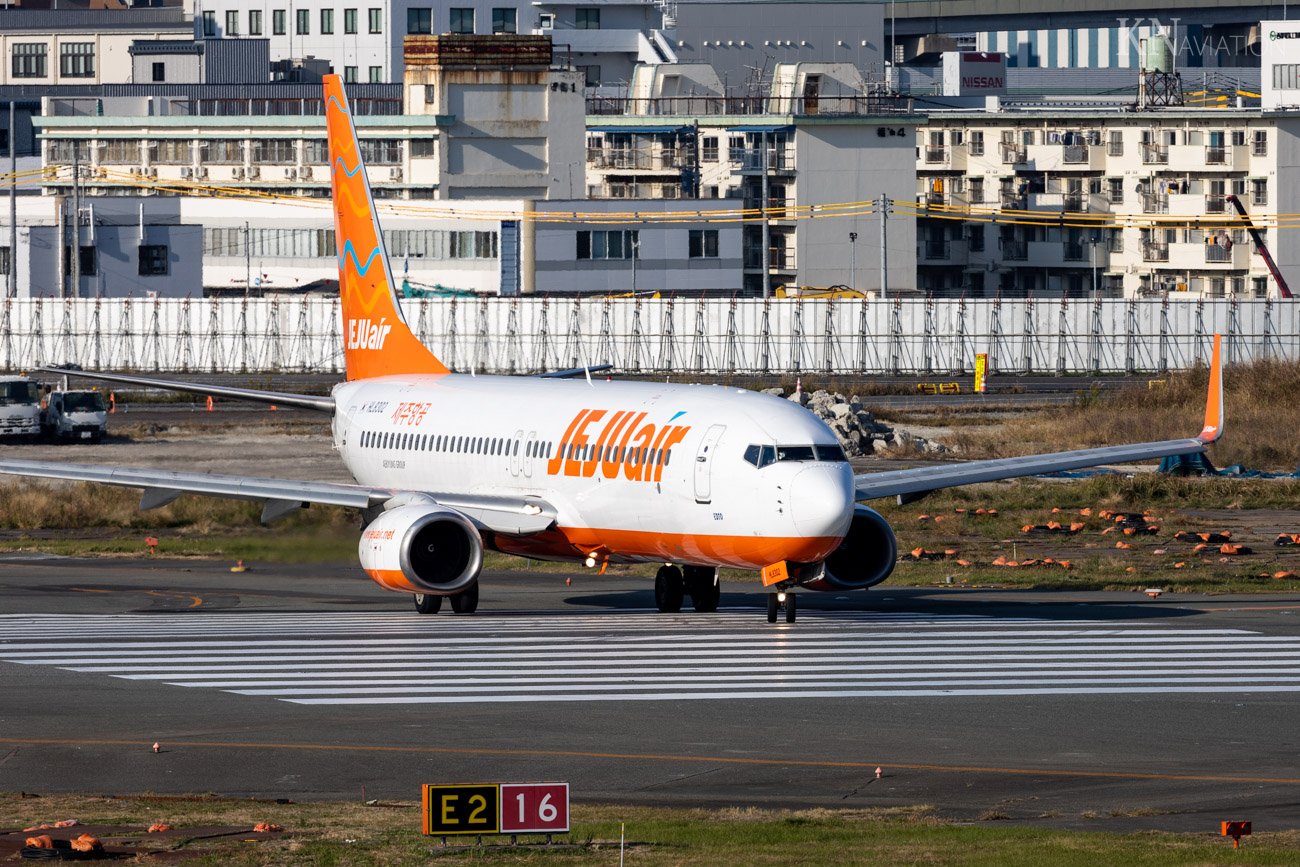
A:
388, 659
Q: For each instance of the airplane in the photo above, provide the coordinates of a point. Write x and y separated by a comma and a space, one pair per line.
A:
692, 477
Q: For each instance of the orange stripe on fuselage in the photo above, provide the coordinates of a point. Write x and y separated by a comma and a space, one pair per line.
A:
741, 552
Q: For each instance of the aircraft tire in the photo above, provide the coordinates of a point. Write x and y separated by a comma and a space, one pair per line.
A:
772, 605
669, 590
427, 603
466, 601
790, 607
703, 586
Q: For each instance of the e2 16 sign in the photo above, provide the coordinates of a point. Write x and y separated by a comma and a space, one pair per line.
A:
496, 808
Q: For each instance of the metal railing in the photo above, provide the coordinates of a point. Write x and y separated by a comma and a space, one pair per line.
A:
1075, 153
857, 105
1215, 203
1155, 204
1012, 154
1216, 254
936, 249
936, 154
1152, 252
1154, 154
1216, 155
1015, 251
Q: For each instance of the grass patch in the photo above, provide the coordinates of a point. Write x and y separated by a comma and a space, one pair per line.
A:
355, 834
1262, 418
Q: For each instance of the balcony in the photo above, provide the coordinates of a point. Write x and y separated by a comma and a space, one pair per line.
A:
1074, 252
1012, 202
1015, 251
1199, 158
751, 160
1216, 155
778, 258
1154, 154
1155, 204
638, 159
934, 249
1013, 154
936, 155
1073, 154
1216, 255
1152, 252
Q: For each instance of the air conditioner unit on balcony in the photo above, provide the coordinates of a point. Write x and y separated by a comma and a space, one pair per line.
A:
304, 173
201, 172
239, 173
395, 174
254, 173
187, 172
135, 171
291, 174
151, 172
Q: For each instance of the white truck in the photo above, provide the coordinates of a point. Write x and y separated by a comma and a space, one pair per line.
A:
75, 416
20, 407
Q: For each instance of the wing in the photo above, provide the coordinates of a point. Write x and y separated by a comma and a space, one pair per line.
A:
914, 483
279, 398
510, 515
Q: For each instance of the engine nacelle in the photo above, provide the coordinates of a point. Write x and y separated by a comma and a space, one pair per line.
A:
864, 558
422, 548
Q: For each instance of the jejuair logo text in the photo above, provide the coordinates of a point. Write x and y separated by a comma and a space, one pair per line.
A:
365, 334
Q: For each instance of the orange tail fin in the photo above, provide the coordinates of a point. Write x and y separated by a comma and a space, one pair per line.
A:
376, 339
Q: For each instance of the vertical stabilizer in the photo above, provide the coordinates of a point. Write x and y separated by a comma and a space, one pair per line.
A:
376, 339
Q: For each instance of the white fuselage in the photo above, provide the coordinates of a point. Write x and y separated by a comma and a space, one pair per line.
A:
636, 471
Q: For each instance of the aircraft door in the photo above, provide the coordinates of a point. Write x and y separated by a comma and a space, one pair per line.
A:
704, 463
529, 451
517, 453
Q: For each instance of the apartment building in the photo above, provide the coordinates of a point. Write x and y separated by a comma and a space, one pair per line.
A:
44, 47
1137, 197
817, 135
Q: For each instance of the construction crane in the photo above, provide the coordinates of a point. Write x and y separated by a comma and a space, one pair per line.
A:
1283, 290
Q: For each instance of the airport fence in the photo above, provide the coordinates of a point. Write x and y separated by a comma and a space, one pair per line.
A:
659, 336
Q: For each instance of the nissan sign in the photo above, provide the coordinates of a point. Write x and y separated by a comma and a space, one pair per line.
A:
974, 73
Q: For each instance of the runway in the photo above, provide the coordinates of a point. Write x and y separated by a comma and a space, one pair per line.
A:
1071, 709
378, 659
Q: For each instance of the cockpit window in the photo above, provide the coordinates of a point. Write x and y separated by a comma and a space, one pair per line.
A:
831, 453
761, 456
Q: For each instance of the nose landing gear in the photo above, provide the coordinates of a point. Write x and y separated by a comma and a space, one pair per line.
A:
779, 599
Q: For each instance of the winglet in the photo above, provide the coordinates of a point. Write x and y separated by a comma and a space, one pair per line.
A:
376, 339
1213, 428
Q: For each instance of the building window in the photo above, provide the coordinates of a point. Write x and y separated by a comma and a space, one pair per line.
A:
1260, 147
304, 22
503, 20
159, 71
376, 20
278, 20
277, 151
1286, 76
376, 75
615, 244
172, 152
87, 261
232, 23
255, 22
703, 244
1115, 191
5, 260
326, 22
153, 259
976, 190
1259, 191
381, 151
77, 60
977, 143
586, 18
590, 75
975, 236
473, 245
709, 149
29, 60
419, 20
462, 20
422, 147
209, 24
349, 21
350, 74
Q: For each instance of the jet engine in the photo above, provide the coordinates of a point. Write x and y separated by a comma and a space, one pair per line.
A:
422, 548
864, 558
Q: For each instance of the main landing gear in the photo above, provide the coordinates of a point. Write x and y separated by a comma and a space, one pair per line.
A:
673, 585
778, 599
464, 602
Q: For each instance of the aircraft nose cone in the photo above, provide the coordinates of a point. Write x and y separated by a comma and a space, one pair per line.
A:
821, 500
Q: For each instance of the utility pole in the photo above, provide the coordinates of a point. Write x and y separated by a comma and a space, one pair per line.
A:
248, 262
12, 289
1094, 264
884, 246
765, 261
853, 260
75, 291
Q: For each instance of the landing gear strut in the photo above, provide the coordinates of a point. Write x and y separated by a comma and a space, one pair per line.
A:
669, 589
776, 600
704, 588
